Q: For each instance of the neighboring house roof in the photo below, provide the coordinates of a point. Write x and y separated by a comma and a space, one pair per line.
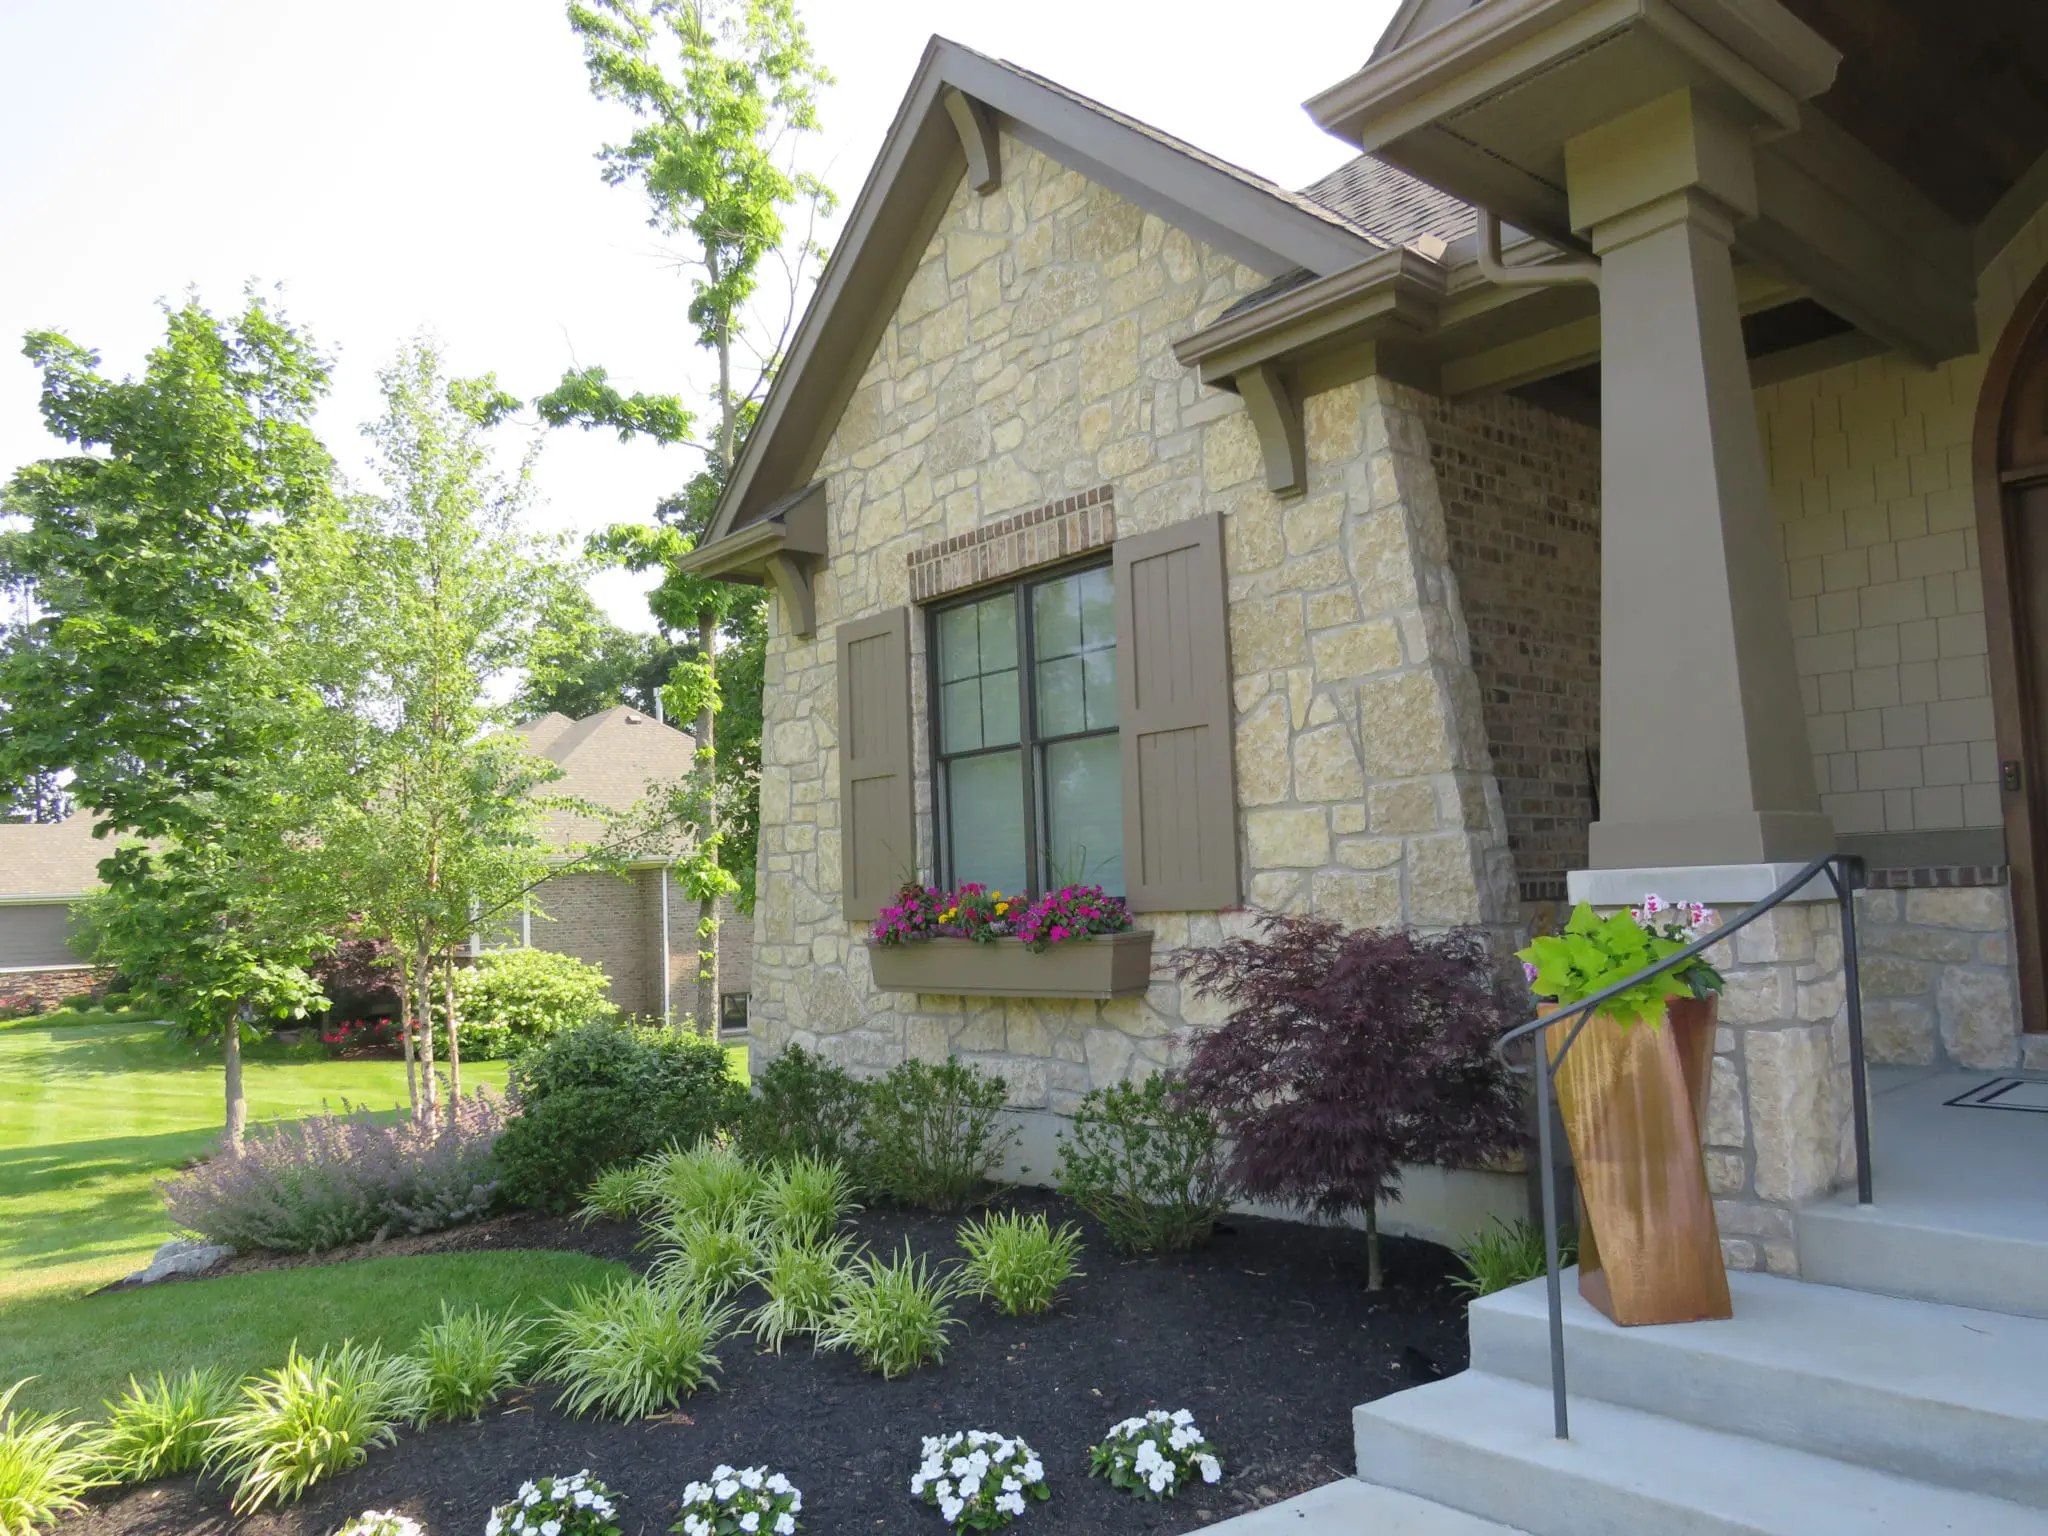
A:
51, 862
1251, 219
608, 759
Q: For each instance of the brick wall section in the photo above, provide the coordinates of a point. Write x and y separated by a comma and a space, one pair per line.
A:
1521, 494
1012, 544
598, 919
48, 987
1870, 467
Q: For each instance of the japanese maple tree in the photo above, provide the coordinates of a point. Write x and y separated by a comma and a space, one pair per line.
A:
1348, 1056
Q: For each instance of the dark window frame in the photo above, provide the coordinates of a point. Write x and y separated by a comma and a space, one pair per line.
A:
1029, 744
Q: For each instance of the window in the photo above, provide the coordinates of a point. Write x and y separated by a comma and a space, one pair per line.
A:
732, 1013
1029, 769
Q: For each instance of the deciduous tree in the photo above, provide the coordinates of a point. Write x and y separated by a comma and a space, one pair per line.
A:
1348, 1056
722, 92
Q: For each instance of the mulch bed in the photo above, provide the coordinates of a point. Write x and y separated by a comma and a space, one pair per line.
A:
1268, 1334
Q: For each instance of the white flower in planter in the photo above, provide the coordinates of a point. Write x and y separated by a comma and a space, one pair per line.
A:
750, 1501
1155, 1456
978, 1480
556, 1506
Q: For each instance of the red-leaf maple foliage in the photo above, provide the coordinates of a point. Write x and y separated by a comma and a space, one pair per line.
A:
1348, 1055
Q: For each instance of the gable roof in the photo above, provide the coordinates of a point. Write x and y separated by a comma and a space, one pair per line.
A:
1396, 207
608, 759
54, 861
1253, 220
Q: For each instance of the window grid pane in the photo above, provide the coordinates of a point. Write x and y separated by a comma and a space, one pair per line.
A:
1049, 812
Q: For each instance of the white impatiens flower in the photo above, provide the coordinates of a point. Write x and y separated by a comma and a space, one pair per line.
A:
978, 1479
745, 1499
551, 1506
1155, 1455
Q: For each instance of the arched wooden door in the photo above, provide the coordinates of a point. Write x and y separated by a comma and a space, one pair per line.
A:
2011, 464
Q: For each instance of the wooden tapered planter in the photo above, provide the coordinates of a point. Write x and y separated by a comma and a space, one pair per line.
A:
1633, 1103
1109, 965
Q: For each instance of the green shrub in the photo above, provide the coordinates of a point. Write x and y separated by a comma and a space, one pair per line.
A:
602, 1094
1149, 1168
160, 1429
633, 1348
803, 1281
709, 1182
705, 1257
934, 1134
46, 1463
1019, 1262
805, 1198
892, 1314
468, 1360
804, 1106
515, 998
1507, 1254
309, 1419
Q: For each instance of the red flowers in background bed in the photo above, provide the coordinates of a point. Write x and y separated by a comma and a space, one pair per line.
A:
978, 913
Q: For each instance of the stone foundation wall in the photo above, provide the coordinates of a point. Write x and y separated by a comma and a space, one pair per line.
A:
1779, 1122
1521, 497
1938, 979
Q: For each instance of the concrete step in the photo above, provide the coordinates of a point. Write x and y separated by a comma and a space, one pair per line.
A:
1482, 1443
1995, 1259
1349, 1507
1937, 1393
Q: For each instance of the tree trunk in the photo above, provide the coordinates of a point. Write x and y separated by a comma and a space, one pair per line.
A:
707, 909
454, 1044
1375, 1279
412, 1074
430, 1085
238, 1105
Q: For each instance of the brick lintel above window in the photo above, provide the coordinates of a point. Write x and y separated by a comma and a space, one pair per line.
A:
1042, 536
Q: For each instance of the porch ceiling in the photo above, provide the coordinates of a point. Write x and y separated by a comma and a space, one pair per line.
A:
1952, 97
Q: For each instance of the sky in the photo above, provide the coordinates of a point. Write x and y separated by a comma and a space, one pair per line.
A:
393, 167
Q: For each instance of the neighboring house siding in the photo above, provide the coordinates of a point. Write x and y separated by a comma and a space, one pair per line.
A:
1870, 466
1521, 491
615, 923
1030, 360
597, 918
36, 935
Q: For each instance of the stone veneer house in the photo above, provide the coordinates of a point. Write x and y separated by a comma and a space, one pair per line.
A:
1618, 478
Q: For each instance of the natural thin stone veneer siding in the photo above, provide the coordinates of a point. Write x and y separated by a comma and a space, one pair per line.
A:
1938, 981
1030, 361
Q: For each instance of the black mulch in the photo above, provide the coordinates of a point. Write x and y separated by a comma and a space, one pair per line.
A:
1268, 1334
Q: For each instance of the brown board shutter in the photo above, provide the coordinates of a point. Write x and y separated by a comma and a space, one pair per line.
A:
877, 817
1173, 684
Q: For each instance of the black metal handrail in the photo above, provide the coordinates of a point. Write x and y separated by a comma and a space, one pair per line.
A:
1845, 874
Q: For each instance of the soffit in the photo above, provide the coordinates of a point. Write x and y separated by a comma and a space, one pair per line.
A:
1952, 96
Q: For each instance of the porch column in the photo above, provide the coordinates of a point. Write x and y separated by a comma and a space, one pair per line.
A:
1704, 757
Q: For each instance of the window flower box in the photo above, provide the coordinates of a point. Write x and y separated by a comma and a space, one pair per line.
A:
1108, 965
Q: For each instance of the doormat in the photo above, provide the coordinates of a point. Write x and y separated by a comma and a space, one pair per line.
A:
2026, 1094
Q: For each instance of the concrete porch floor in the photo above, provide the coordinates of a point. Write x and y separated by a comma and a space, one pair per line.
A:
1961, 1207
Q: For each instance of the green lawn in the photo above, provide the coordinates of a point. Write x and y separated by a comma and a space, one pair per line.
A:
92, 1114
82, 1350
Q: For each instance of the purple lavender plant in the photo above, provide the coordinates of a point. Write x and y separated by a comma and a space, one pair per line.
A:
314, 1184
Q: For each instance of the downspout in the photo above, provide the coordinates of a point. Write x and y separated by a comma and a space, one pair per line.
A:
1553, 274
668, 1016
